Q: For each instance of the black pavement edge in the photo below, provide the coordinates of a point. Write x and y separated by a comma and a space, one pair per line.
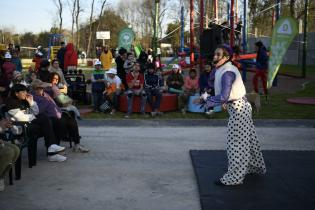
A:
193, 122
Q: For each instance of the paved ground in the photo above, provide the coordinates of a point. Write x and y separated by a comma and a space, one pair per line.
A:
134, 168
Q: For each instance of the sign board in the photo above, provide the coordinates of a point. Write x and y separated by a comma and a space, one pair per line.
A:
103, 35
282, 35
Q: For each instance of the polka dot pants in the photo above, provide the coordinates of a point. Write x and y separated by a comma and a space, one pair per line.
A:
243, 149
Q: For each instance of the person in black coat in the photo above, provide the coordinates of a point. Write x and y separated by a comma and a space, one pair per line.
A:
120, 60
61, 55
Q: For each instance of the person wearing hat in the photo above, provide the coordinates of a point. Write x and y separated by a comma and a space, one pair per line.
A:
22, 107
18, 79
62, 122
98, 85
106, 58
7, 70
38, 57
153, 86
261, 67
243, 148
114, 87
175, 80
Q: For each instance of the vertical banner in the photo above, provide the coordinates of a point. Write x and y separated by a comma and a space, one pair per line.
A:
282, 35
125, 38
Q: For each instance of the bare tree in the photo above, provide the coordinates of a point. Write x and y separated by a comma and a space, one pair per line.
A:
59, 5
100, 15
72, 10
77, 14
90, 29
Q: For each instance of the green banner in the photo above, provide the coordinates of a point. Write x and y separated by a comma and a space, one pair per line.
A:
282, 35
126, 38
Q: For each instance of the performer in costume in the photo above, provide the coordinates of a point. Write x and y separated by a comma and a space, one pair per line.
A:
243, 149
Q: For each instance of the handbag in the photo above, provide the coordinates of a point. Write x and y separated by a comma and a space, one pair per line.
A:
105, 107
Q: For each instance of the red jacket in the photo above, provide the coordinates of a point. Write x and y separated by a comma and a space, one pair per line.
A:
71, 56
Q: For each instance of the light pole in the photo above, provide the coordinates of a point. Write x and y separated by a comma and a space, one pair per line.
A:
155, 29
304, 39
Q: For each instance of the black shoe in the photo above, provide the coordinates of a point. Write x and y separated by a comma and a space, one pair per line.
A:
219, 183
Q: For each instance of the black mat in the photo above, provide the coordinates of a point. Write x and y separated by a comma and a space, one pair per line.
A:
288, 185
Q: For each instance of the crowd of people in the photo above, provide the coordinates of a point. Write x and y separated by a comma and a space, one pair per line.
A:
40, 96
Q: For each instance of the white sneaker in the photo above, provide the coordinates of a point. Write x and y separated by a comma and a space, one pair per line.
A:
55, 148
80, 148
57, 158
210, 112
2, 185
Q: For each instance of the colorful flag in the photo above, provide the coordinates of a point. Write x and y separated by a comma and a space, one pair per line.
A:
126, 38
282, 35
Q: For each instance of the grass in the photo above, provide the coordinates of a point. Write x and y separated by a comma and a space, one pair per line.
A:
275, 108
278, 108
296, 70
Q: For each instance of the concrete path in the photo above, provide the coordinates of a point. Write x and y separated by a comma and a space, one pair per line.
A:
132, 168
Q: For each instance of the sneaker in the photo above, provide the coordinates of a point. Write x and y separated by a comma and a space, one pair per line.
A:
159, 113
144, 115
183, 111
112, 112
80, 148
127, 116
210, 112
57, 158
55, 148
153, 114
2, 185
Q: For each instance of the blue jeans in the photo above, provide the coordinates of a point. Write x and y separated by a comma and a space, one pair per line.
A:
98, 100
130, 94
158, 97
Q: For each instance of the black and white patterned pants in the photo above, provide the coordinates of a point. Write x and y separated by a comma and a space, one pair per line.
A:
243, 149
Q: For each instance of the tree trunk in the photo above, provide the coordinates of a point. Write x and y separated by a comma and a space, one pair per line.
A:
90, 30
78, 10
60, 16
73, 18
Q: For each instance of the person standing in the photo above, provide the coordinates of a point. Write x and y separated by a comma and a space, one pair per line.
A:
261, 67
7, 70
106, 58
16, 61
120, 60
71, 58
243, 148
61, 55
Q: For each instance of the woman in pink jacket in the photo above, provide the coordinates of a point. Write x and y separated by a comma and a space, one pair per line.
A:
191, 86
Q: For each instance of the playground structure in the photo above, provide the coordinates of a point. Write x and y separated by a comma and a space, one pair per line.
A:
237, 35
54, 45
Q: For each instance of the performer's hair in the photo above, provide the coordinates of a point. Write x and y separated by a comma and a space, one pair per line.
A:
227, 51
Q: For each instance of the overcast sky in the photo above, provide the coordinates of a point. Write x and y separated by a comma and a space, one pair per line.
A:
38, 15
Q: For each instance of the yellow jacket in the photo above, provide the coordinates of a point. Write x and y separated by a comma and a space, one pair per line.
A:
106, 59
